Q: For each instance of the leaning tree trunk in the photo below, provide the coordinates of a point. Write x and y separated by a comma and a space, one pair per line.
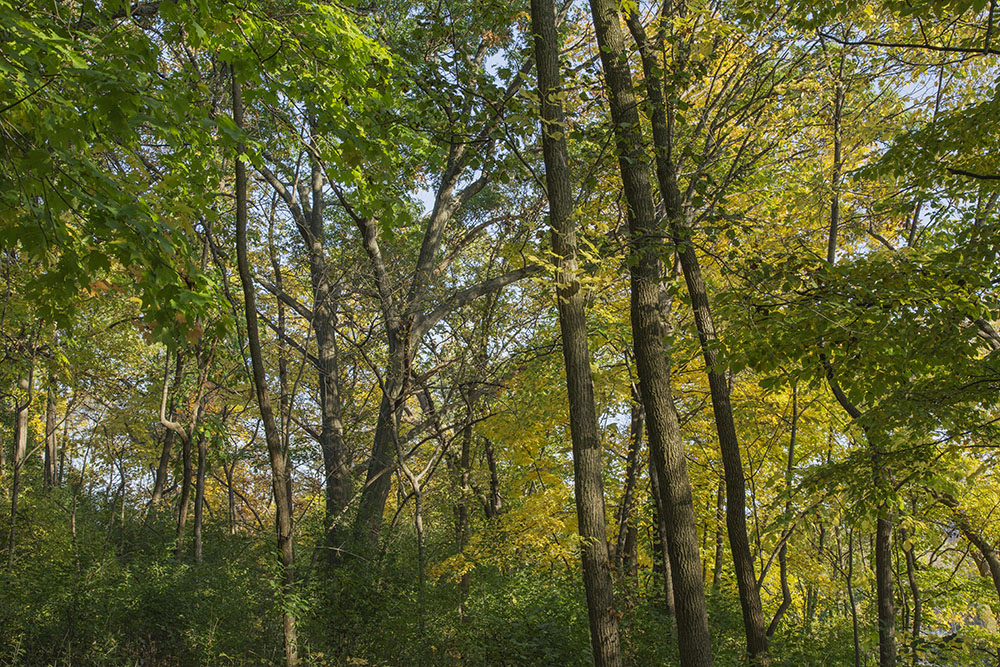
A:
280, 468
753, 615
648, 333
604, 640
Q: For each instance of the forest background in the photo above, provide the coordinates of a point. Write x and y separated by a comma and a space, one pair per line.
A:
483, 333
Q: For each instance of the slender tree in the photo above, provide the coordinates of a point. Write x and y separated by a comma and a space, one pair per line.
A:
648, 334
589, 488
281, 480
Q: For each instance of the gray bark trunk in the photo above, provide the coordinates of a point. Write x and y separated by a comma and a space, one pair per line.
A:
648, 333
589, 487
280, 470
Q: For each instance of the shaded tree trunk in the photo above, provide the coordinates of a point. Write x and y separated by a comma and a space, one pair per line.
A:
786, 593
648, 334
199, 496
493, 505
20, 454
884, 591
753, 615
661, 551
280, 470
51, 439
589, 487
720, 523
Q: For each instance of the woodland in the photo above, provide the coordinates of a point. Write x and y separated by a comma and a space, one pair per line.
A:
493, 332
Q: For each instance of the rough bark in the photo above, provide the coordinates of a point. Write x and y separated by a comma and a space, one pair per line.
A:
753, 615
648, 333
336, 457
280, 473
884, 592
589, 487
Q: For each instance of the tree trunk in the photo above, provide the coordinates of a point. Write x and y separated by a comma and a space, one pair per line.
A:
378, 479
280, 473
911, 578
589, 487
494, 504
720, 523
20, 454
199, 496
661, 551
753, 615
336, 458
884, 592
168, 439
51, 439
648, 333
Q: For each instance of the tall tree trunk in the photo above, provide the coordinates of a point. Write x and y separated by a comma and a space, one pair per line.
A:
884, 590
336, 458
20, 454
494, 504
378, 479
648, 333
753, 615
280, 470
589, 487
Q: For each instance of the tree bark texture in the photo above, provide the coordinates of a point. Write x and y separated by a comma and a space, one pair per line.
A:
648, 334
589, 487
753, 615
